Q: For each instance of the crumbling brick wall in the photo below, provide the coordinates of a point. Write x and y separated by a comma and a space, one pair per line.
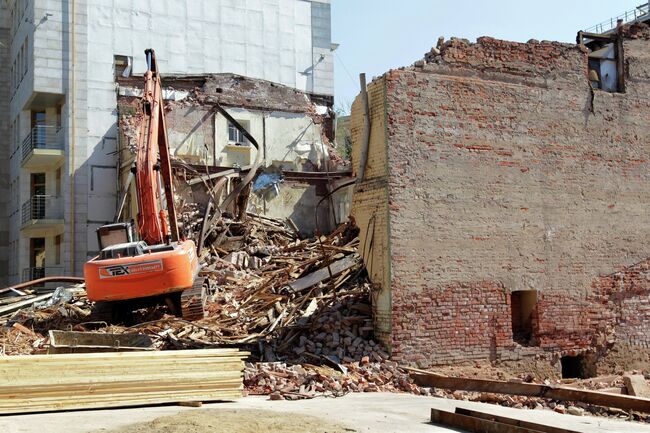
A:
370, 204
506, 172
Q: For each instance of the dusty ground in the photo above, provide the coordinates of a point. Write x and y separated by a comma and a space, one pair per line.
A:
233, 421
363, 412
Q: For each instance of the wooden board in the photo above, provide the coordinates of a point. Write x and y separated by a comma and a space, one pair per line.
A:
41, 383
322, 274
624, 402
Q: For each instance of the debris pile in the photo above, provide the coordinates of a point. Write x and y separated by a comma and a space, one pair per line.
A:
298, 381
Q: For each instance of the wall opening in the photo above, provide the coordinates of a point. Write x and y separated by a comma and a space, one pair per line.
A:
522, 306
578, 367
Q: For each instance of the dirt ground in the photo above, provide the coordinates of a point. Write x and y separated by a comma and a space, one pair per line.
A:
233, 421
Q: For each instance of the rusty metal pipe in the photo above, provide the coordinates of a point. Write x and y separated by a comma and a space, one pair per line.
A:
56, 279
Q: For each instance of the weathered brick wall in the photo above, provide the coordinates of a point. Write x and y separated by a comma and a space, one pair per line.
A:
506, 172
370, 204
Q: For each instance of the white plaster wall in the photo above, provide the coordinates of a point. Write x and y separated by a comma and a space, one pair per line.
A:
291, 139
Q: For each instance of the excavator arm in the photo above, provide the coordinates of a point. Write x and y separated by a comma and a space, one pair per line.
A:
152, 164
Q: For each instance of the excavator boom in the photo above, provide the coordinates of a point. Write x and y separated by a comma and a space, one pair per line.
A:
152, 164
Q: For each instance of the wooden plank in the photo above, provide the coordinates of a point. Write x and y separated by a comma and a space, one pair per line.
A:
18, 305
322, 274
477, 425
213, 176
96, 380
624, 402
513, 421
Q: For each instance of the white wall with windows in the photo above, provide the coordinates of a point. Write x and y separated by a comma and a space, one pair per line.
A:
61, 59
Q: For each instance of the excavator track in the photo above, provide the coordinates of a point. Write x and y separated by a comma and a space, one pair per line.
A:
193, 301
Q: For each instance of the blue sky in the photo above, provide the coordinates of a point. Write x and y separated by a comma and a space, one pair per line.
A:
376, 35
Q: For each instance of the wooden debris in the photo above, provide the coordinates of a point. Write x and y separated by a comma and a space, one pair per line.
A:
329, 271
91, 342
624, 402
102, 380
21, 304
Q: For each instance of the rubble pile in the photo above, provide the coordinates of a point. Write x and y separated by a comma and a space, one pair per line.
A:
300, 305
298, 381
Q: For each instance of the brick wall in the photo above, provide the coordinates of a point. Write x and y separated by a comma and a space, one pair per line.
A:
370, 203
506, 172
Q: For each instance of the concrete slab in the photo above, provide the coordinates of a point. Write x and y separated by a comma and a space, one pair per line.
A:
636, 385
377, 412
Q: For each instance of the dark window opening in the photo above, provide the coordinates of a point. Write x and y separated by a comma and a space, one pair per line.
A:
578, 367
606, 64
122, 65
522, 307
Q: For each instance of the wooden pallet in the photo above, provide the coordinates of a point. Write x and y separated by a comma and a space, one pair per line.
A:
40, 383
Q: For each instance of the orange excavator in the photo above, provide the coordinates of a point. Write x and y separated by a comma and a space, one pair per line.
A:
159, 268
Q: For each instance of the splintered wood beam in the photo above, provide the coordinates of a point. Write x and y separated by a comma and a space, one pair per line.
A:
624, 402
322, 274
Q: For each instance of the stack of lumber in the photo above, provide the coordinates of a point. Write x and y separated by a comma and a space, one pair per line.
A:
99, 380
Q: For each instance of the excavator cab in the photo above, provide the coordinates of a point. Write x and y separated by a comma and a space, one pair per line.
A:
116, 233
157, 267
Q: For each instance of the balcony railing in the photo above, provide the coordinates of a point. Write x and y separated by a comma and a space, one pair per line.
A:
42, 137
41, 207
627, 17
41, 272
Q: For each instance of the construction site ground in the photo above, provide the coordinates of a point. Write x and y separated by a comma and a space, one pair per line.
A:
357, 412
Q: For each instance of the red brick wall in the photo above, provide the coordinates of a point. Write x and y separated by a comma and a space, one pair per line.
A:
506, 172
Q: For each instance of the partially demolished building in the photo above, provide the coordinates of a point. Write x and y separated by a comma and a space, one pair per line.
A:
292, 130
504, 204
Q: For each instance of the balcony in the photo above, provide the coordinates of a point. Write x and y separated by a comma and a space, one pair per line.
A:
43, 212
43, 148
42, 272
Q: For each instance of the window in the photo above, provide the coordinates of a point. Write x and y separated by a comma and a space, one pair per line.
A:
58, 182
57, 249
235, 136
122, 65
58, 117
25, 50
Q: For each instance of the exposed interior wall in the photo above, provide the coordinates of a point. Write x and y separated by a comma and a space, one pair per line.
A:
288, 140
506, 172
370, 203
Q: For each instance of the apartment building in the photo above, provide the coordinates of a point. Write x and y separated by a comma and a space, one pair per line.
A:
58, 148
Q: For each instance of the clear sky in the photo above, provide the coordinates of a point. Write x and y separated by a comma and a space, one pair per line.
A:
376, 35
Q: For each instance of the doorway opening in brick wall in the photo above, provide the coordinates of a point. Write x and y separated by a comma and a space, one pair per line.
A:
522, 306
578, 366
